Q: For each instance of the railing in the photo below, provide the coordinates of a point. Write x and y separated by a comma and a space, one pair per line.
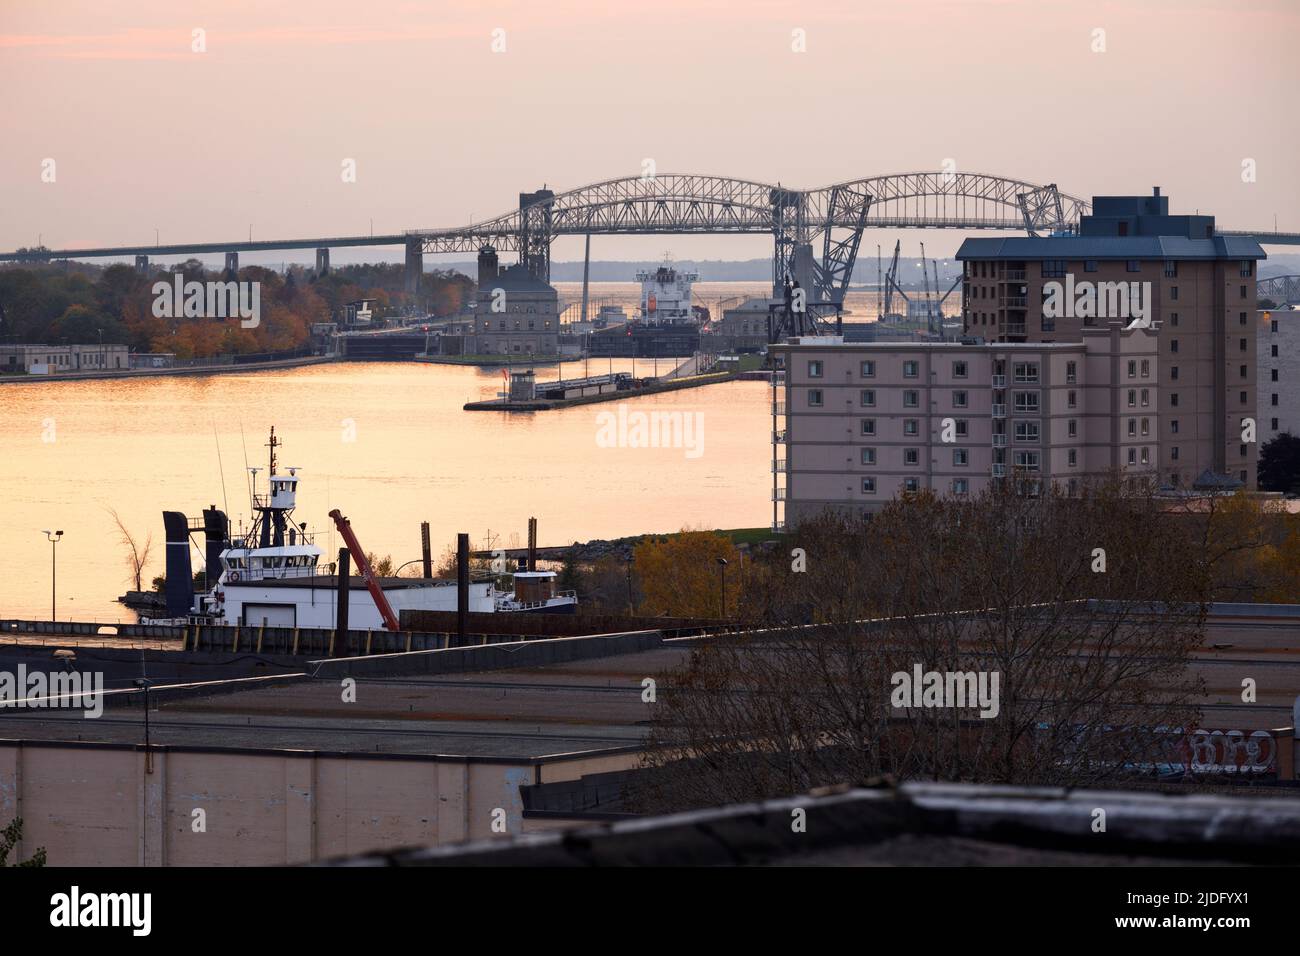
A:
778, 494
999, 441
999, 381
1014, 301
999, 411
1014, 328
999, 470
778, 408
779, 466
779, 437
1013, 275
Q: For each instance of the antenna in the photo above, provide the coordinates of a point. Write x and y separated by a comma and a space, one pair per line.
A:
225, 502
246, 468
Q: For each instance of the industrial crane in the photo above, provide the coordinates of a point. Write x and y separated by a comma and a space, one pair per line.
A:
367, 572
891, 282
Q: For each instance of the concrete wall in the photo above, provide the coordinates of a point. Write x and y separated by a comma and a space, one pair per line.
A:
97, 804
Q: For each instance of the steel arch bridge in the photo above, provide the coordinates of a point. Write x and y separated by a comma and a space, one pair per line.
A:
1284, 290
833, 216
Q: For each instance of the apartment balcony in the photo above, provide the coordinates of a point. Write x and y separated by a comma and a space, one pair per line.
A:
1013, 328
778, 408
779, 438
1013, 275
999, 470
778, 494
1014, 302
999, 441
999, 411
999, 381
779, 466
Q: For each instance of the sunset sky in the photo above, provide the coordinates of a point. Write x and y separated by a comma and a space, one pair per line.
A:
147, 134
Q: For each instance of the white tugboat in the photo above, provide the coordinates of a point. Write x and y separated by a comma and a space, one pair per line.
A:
273, 576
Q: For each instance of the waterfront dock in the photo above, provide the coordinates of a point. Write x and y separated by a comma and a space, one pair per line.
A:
613, 394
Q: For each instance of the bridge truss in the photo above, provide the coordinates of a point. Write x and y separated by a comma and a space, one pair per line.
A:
833, 217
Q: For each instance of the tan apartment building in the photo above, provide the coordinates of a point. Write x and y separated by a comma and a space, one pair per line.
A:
861, 423
1194, 288
1278, 357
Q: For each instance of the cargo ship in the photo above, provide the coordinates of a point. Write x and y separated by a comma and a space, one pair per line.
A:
273, 575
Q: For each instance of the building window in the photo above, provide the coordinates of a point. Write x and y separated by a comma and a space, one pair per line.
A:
1025, 373
1027, 432
1026, 401
1173, 372
1132, 428
1146, 455
814, 397
960, 486
911, 484
1132, 368
1027, 460
1173, 400
868, 369
959, 400
1071, 428
1243, 398
1071, 399
1247, 268
1146, 368
1274, 403
868, 426
960, 457
1133, 265
1273, 374
1173, 319
1146, 397
1173, 345
1071, 373
958, 369
911, 369
1241, 345
1132, 456
868, 486
911, 456
1243, 371
1054, 268
911, 398
911, 427
1274, 351
1241, 318
963, 428
867, 397
1173, 293
1173, 453
1173, 426
1146, 426
1072, 457
1090, 265
868, 456
1171, 268
814, 369
1274, 425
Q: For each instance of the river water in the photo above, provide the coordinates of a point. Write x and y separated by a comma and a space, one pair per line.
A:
387, 443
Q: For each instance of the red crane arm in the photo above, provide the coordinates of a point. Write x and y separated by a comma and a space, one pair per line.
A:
367, 573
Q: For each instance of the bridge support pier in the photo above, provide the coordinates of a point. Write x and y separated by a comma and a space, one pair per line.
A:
232, 263
414, 264
142, 265
322, 261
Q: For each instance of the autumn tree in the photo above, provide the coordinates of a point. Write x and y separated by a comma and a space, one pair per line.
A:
681, 575
1086, 609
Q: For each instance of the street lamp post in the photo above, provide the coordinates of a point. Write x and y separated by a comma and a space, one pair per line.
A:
722, 574
53, 537
144, 683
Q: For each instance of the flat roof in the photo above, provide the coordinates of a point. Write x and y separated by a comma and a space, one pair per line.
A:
1111, 247
587, 706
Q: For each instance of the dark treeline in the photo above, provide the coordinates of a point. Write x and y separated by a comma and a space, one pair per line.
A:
58, 304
